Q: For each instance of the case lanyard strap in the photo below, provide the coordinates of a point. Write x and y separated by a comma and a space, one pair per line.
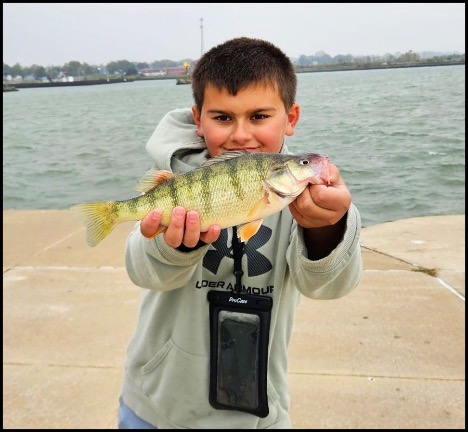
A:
237, 250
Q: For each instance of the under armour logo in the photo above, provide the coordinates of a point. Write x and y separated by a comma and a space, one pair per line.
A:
257, 263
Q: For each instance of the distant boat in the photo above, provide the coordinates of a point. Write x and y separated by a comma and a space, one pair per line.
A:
184, 80
9, 88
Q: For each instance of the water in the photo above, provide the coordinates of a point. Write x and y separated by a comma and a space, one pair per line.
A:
398, 137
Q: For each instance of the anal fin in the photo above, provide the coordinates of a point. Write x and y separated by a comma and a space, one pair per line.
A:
248, 230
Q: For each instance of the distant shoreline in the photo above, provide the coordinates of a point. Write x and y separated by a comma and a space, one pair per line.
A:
335, 68
71, 83
307, 69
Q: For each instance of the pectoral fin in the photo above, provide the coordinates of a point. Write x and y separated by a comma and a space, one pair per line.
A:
259, 206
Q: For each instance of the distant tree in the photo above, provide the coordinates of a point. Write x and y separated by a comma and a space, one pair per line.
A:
141, 65
38, 72
132, 70
343, 59
120, 67
321, 57
17, 70
52, 72
35, 71
164, 63
87, 69
409, 57
303, 60
72, 68
389, 58
6, 70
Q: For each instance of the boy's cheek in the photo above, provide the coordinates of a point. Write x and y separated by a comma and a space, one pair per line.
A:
213, 150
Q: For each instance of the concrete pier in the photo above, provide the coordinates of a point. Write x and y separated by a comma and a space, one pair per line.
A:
390, 355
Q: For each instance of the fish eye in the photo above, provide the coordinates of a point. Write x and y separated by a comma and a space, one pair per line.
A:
304, 162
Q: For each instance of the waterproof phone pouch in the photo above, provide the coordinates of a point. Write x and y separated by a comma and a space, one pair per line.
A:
239, 333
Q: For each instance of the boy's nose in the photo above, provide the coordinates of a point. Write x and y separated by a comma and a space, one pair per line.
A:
241, 133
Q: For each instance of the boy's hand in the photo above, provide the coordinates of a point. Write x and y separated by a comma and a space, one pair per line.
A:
183, 228
321, 205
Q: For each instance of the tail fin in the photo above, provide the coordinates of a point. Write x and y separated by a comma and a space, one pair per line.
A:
99, 219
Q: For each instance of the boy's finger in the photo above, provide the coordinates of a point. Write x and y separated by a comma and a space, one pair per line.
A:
192, 229
149, 225
175, 231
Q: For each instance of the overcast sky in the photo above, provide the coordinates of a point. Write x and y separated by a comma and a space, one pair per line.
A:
56, 33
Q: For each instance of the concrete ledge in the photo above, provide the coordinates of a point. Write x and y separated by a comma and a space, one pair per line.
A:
389, 355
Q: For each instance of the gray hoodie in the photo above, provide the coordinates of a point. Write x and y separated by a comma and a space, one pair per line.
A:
166, 380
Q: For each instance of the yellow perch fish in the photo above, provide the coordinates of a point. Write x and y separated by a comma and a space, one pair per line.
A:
235, 188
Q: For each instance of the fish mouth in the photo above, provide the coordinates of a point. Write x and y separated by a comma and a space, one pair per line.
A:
325, 175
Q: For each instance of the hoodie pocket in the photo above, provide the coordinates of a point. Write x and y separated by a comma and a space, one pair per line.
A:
177, 382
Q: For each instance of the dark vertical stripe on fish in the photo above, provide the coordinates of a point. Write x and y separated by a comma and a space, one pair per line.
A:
234, 176
260, 166
206, 192
173, 192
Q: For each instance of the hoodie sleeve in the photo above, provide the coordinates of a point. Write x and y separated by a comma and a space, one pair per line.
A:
153, 265
335, 275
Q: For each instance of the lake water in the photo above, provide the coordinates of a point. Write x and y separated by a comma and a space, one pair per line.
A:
398, 137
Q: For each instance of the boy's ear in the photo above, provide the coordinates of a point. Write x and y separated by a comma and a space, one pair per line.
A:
293, 117
196, 118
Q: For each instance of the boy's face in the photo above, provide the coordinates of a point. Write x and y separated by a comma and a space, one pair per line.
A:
254, 120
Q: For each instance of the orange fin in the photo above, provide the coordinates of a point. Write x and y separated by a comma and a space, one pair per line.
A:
153, 178
248, 230
160, 230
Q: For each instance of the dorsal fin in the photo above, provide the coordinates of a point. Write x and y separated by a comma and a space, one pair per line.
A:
153, 178
224, 156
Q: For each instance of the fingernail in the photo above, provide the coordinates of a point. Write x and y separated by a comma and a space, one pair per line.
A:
192, 216
179, 212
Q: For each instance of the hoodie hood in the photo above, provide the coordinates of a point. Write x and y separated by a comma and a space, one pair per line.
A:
176, 134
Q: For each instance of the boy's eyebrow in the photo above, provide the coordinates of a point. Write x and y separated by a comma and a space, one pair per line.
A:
256, 110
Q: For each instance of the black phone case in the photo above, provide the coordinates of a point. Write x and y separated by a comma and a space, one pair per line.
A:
239, 333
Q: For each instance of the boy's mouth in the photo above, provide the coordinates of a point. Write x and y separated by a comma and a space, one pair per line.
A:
249, 149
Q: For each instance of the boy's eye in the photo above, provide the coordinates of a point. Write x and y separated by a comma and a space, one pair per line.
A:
222, 118
225, 118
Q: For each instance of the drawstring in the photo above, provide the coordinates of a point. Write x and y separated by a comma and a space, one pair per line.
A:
237, 250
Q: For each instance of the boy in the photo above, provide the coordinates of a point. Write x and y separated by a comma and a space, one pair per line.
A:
244, 91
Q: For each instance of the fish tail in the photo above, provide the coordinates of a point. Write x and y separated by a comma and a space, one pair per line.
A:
99, 218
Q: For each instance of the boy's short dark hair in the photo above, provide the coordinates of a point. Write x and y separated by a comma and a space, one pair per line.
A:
240, 62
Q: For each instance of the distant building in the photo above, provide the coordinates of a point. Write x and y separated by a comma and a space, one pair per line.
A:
177, 70
172, 71
152, 72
